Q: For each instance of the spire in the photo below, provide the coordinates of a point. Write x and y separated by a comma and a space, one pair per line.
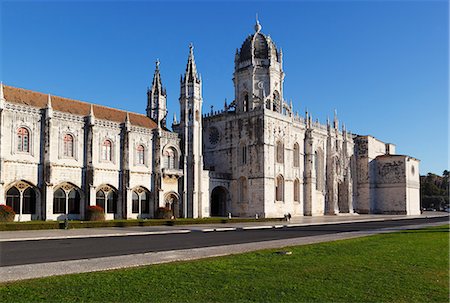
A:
335, 121
257, 25
191, 68
157, 83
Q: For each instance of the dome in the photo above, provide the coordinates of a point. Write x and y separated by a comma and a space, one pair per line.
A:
260, 43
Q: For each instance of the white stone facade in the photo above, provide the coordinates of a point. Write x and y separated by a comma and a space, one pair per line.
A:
253, 158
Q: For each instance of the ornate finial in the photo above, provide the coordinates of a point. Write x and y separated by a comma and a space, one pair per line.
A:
175, 118
2, 96
212, 109
335, 122
191, 48
127, 118
49, 101
157, 64
91, 111
257, 25
225, 106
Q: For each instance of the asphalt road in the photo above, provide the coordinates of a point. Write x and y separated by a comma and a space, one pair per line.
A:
40, 251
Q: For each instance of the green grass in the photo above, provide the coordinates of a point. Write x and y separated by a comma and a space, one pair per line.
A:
408, 266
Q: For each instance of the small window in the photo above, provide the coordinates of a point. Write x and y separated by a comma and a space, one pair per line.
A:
68, 146
170, 158
296, 155
141, 154
296, 190
107, 150
279, 188
23, 140
243, 154
246, 105
280, 152
242, 189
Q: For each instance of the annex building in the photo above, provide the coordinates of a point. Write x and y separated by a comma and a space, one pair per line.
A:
256, 156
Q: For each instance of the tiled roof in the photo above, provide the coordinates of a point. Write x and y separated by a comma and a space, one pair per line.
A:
36, 99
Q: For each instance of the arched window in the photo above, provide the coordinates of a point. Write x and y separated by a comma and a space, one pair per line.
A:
296, 155
279, 188
22, 199
280, 152
170, 158
74, 201
68, 146
23, 140
242, 154
29, 201
276, 101
145, 202
100, 199
135, 203
13, 199
242, 190
107, 150
106, 198
59, 202
112, 202
246, 103
140, 154
296, 190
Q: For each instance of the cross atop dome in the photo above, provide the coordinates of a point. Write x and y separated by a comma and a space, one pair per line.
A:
257, 25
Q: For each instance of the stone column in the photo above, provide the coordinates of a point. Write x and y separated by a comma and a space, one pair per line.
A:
47, 185
309, 183
88, 184
124, 175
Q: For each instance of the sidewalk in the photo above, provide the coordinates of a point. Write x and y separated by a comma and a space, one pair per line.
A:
27, 235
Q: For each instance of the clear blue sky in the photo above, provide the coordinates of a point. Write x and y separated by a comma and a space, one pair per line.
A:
382, 64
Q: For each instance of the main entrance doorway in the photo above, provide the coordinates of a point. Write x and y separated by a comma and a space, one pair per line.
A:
219, 198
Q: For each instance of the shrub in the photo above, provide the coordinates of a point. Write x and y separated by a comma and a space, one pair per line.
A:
95, 213
6, 213
164, 213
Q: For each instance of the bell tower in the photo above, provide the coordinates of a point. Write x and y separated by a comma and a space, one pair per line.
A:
258, 73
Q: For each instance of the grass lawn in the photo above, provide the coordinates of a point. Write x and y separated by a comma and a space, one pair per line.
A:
408, 266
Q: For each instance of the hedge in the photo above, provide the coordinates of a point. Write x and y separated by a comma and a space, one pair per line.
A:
36, 225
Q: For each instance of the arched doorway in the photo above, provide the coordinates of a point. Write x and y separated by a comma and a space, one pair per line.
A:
172, 202
219, 197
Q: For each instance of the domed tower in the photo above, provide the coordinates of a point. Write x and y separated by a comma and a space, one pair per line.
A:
258, 74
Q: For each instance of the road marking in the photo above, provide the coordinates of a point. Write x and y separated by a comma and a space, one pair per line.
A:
225, 229
257, 227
